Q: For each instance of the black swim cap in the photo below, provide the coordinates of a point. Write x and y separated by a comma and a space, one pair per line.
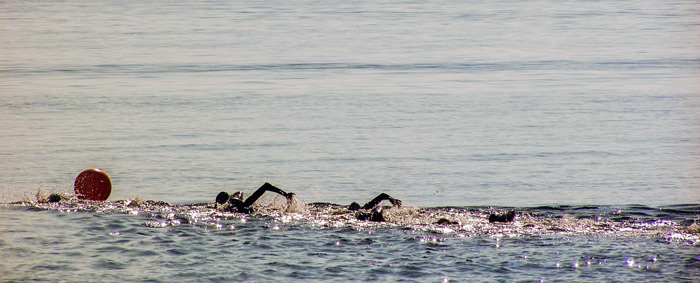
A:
222, 198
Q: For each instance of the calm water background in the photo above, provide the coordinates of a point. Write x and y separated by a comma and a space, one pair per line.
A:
437, 103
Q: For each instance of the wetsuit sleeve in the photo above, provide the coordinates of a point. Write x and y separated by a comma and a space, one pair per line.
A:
381, 197
260, 191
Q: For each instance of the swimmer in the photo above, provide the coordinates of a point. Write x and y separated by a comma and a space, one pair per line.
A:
236, 204
371, 210
506, 217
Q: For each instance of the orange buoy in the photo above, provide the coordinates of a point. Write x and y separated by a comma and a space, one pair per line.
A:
93, 184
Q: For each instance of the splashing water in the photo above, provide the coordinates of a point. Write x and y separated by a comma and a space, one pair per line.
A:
462, 222
295, 206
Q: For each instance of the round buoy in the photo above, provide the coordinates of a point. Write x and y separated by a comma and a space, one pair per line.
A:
93, 184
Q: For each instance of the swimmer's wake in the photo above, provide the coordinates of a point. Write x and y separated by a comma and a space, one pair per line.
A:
460, 222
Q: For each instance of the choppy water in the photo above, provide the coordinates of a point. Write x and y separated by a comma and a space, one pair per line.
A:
441, 104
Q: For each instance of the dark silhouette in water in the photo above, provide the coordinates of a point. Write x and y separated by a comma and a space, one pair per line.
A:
505, 217
375, 202
54, 197
236, 204
371, 210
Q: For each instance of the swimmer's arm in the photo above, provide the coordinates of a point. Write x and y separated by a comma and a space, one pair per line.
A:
381, 197
260, 191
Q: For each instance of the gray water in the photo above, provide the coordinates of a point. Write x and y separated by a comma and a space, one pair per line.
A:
439, 103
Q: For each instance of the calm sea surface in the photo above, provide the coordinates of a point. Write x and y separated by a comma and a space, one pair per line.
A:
439, 103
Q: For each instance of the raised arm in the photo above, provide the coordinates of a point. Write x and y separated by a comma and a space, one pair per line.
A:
260, 191
381, 197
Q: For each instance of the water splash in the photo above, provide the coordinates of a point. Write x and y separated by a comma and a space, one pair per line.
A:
295, 206
458, 222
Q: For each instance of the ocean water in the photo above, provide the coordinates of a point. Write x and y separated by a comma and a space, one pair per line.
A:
541, 106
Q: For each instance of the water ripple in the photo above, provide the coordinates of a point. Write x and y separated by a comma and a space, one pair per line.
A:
691, 64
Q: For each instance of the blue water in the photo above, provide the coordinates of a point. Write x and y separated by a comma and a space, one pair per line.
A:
438, 103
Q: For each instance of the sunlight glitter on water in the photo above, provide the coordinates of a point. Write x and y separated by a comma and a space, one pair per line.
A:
399, 248
465, 222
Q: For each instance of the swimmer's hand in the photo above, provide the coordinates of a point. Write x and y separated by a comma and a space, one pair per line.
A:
395, 202
289, 195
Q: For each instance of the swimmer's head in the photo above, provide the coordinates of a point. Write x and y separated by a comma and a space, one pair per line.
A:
354, 206
222, 198
55, 197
